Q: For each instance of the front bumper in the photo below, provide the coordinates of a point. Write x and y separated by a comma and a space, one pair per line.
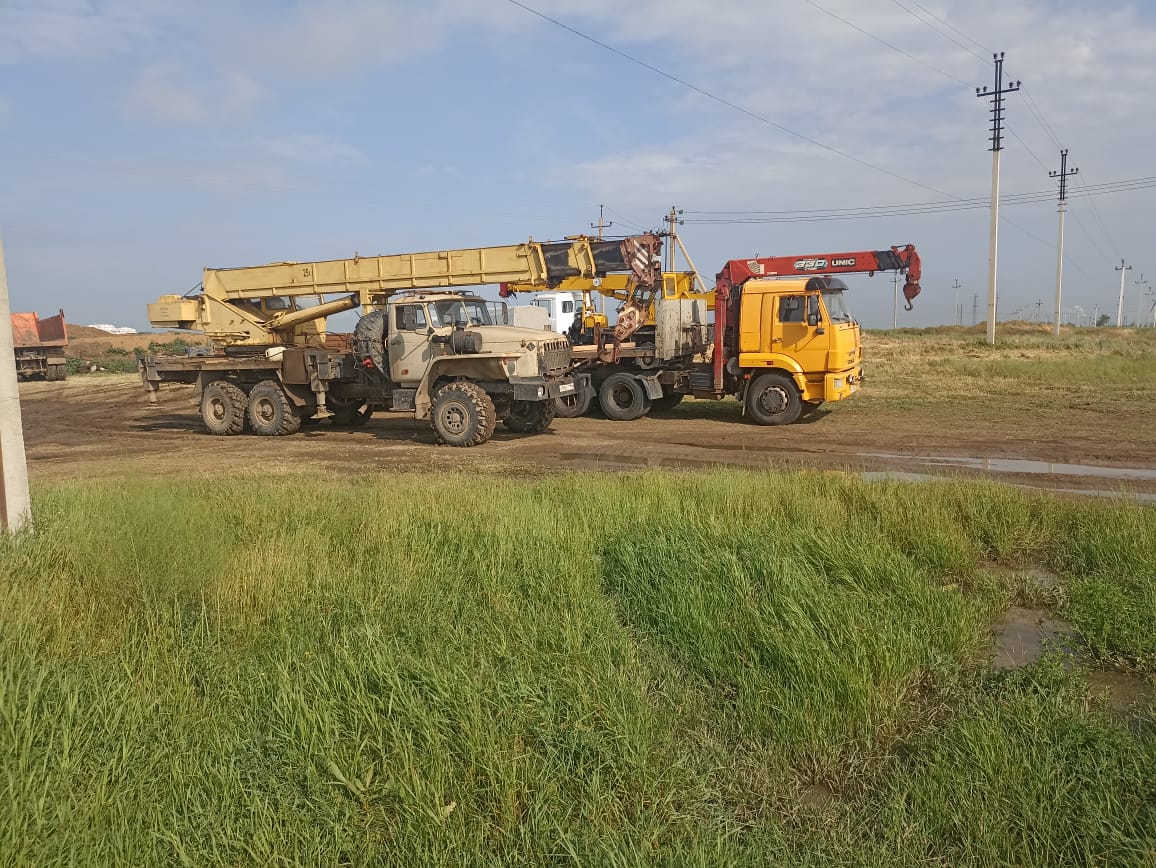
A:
541, 389
842, 384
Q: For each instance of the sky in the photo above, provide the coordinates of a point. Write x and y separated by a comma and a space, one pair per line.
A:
142, 140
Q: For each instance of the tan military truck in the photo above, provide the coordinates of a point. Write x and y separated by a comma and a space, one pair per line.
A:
444, 356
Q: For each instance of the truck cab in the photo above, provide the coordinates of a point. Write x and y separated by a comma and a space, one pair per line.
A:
426, 351
563, 308
802, 329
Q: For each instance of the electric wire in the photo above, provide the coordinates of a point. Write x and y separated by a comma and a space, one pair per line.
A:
724, 101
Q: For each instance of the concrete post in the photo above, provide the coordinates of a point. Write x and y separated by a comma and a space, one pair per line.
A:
15, 502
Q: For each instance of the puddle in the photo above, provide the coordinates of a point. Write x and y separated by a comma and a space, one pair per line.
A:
623, 463
1023, 635
1017, 465
1122, 690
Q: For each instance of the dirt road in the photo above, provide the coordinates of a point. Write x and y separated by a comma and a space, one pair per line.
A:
102, 426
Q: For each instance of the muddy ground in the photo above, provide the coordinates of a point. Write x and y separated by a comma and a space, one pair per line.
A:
102, 426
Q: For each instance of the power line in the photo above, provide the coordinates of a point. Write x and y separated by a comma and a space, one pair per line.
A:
955, 30
937, 30
724, 101
883, 41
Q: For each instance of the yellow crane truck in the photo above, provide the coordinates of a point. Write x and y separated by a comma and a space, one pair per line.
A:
421, 346
783, 340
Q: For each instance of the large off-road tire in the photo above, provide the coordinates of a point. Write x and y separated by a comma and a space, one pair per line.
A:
530, 417
573, 406
463, 414
665, 403
773, 399
223, 407
623, 397
369, 340
270, 412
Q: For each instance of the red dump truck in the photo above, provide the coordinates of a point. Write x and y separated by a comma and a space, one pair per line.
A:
40, 346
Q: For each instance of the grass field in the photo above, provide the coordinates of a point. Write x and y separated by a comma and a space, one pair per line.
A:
1102, 370
709, 669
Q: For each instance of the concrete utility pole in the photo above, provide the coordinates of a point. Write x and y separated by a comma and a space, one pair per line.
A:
996, 97
974, 308
1120, 307
1063, 175
672, 220
956, 310
601, 224
1139, 298
895, 300
15, 502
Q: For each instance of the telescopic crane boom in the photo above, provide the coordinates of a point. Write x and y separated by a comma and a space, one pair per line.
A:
903, 259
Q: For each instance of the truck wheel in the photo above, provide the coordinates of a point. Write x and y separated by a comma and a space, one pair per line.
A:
369, 340
665, 403
530, 417
623, 398
463, 414
773, 399
223, 408
270, 413
573, 406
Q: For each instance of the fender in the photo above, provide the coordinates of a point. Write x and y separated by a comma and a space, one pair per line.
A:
475, 366
754, 363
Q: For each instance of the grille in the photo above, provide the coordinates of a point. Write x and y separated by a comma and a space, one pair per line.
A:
555, 356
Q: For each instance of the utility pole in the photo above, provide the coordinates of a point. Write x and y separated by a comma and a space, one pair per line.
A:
1148, 293
1139, 298
997, 97
1120, 307
601, 225
1063, 175
895, 300
672, 220
974, 307
956, 310
1040, 304
15, 503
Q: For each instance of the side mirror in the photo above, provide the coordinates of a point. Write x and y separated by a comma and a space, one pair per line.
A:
812, 318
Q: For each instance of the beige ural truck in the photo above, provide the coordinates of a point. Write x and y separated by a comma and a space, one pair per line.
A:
443, 355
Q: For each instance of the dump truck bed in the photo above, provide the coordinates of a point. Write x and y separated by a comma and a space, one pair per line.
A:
28, 330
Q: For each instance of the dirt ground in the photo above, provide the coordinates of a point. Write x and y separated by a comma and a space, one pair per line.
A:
102, 426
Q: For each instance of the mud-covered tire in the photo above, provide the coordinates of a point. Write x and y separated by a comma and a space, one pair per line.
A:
573, 406
773, 399
463, 415
530, 417
623, 397
270, 412
665, 404
369, 340
223, 406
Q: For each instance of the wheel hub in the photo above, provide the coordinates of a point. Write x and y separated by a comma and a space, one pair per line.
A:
454, 418
773, 400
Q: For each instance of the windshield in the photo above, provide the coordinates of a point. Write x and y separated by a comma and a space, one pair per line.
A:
471, 311
836, 305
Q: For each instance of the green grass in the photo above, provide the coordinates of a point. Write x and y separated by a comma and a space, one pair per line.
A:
708, 669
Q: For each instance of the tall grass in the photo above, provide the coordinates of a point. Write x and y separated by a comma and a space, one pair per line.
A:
703, 669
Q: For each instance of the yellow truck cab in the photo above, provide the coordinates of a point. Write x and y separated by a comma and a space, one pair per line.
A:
803, 328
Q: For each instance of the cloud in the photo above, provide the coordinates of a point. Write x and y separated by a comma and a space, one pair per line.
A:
171, 93
79, 30
315, 148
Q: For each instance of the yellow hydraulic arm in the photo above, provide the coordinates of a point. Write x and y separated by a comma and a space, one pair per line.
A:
259, 304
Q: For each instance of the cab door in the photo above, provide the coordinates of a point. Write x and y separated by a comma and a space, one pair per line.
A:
409, 346
799, 331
